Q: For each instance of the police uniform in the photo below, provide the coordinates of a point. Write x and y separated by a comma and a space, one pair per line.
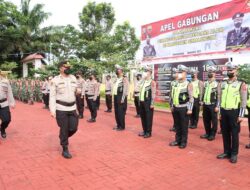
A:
6, 100
238, 36
98, 100
210, 103
147, 97
182, 103
63, 104
173, 84
232, 105
92, 94
137, 87
120, 92
197, 95
108, 95
248, 110
86, 91
80, 92
45, 92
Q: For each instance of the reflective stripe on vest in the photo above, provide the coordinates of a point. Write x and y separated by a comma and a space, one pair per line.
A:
146, 84
230, 97
210, 87
116, 85
196, 89
173, 85
180, 90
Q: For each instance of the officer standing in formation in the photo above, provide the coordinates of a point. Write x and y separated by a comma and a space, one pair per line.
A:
45, 92
92, 94
248, 110
197, 95
137, 87
232, 104
182, 106
147, 97
63, 105
120, 92
172, 84
80, 92
108, 93
6, 100
210, 104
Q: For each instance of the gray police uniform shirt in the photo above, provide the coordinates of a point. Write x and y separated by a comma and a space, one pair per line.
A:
93, 90
108, 88
63, 89
6, 93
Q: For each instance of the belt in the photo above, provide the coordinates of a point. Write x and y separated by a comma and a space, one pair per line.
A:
3, 100
180, 106
107, 90
68, 104
230, 109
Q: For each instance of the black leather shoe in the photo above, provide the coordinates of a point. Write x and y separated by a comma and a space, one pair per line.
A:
223, 156
174, 143
66, 153
91, 120
120, 129
115, 128
233, 159
147, 135
248, 146
80, 116
211, 138
205, 136
182, 145
141, 134
3, 134
172, 129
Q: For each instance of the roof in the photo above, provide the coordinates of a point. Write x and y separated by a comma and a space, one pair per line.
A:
32, 57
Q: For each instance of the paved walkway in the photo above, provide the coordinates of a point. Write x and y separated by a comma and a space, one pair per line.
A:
30, 157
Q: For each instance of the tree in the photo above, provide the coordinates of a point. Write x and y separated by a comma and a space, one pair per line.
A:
244, 73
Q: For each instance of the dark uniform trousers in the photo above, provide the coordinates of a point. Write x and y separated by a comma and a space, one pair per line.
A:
68, 122
98, 102
210, 119
120, 111
80, 104
92, 107
5, 116
230, 131
174, 118
248, 110
87, 100
181, 124
137, 105
194, 118
46, 99
109, 101
146, 114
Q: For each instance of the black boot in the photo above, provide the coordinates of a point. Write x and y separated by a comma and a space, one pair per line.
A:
66, 153
3, 133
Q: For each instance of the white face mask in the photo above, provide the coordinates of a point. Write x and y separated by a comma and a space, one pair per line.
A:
144, 75
180, 76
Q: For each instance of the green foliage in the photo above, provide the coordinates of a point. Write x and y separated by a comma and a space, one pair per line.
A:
8, 66
244, 73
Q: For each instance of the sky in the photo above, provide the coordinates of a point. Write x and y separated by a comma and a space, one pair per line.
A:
137, 12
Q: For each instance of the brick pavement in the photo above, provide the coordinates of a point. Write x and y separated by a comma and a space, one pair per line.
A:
30, 157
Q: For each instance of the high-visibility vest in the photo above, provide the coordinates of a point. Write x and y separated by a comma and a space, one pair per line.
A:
248, 97
180, 93
196, 89
210, 92
146, 91
230, 95
173, 85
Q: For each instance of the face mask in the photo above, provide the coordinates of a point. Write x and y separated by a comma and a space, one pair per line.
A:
230, 75
138, 78
77, 77
210, 75
90, 78
180, 76
192, 76
67, 71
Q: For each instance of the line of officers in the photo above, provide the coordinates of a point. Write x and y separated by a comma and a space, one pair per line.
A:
66, 101
227, 99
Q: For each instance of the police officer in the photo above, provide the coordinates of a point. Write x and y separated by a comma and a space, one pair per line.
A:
147, 97
63, 105
108, 93
248, 110
182, 106
232, 104
6, 100
45, 92
92, 97
120, 92
173, 84
197, 95
98, 100
137, 86
210, 104
80, 91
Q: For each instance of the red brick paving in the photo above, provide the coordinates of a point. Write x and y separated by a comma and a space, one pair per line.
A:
30, 157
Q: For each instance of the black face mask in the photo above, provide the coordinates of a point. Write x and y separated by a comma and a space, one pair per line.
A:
230, 75
210, 75
90, 78
67, 71
77, 77
138, 78
192, 76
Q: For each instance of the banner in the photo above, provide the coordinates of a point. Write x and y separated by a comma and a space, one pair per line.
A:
163, 74
216, 29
